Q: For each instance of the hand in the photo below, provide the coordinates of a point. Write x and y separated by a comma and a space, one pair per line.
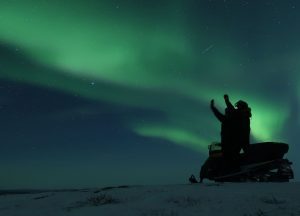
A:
212, 103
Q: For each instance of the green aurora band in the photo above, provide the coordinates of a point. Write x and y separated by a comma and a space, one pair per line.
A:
102, 51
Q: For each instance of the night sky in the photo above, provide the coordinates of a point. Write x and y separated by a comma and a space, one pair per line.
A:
98, 93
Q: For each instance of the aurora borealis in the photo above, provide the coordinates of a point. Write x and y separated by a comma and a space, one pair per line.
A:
117, 92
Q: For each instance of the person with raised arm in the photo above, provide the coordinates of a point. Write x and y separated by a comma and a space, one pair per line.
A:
235, 129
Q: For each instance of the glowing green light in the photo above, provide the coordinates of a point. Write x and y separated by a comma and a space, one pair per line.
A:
176, 135
155, 66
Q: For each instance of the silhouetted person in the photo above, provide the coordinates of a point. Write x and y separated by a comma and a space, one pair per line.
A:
243, 115
227, 128
235, 129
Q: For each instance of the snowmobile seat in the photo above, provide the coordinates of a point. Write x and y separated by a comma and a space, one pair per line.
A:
265, 151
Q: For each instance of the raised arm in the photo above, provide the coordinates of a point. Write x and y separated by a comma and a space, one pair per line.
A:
218, 114
228, 103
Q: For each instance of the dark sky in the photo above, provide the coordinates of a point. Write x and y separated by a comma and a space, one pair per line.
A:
96, 93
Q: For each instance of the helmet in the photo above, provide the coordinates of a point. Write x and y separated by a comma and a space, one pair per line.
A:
241, 104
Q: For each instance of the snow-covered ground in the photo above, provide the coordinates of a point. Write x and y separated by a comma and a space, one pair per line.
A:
242, 199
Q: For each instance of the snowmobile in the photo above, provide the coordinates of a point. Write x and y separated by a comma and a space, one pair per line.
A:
263, 162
